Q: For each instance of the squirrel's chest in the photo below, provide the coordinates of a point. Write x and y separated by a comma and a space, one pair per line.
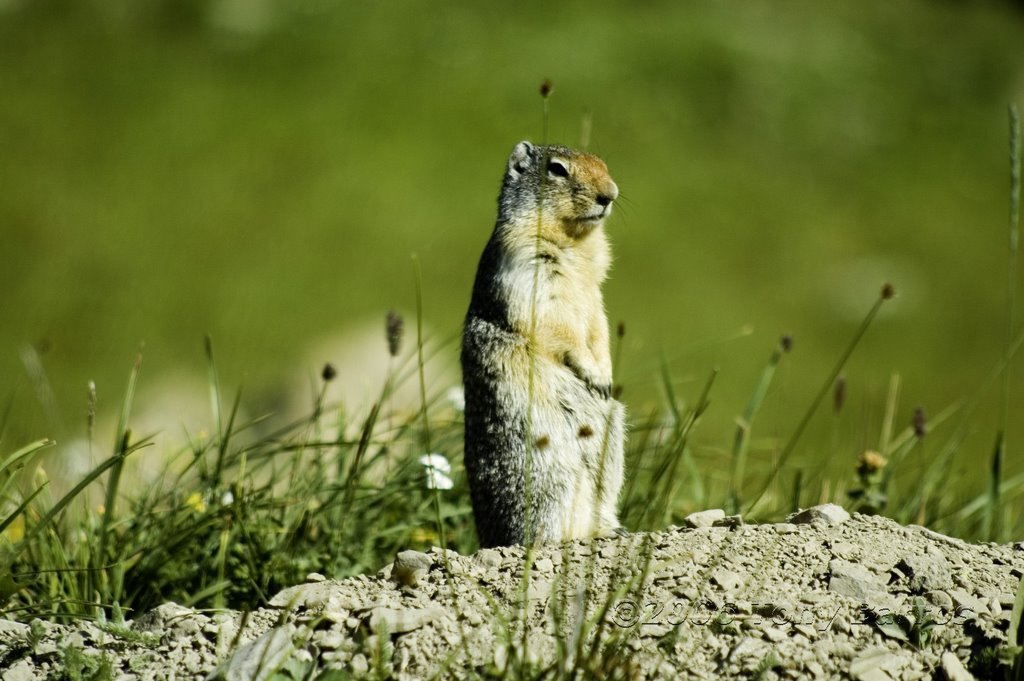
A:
553, 272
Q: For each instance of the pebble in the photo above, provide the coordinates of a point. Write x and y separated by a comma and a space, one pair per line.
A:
954, 669
926, 572
313, 595
853, 580
728, 580
539, 589
359, 665
704, 519
20, 671
269, 651
830, 514
729, 521
869, 664
491, 558
410, 567
940, 599
399, 621
11, 629
972, 606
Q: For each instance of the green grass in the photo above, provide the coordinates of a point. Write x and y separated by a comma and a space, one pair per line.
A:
255, 505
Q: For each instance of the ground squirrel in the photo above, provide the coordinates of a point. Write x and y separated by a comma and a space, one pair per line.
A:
544, 437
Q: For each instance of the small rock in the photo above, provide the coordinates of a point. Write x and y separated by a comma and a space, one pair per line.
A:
261, 658
169, 617
20, 671
785, 528
730, 521
830, 514
968, 604
743, 607
309, 596
940, 599
410, 566
815, 669
11, 629
750, 650
688, 592
226, 630
932, 534
538, 590
544, 565
844, 550
444, 556
953, 668
359, 665
703, 519
868, 665
77, 639
838, 623
399, 621
807, 630
854, 581
729, 581
656, 629
315, 577
926, 572
490, 558
329, 639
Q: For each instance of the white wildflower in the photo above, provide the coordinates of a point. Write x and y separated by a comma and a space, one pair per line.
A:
456, 398
438, 470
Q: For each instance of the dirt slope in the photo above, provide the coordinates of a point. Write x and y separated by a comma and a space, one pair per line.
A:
823, 596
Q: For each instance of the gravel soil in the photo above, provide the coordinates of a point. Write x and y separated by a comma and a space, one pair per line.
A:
822, 596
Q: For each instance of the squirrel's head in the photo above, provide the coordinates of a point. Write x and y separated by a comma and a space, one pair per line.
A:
560, 184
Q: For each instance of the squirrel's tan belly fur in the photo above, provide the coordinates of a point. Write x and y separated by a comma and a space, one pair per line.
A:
544, 438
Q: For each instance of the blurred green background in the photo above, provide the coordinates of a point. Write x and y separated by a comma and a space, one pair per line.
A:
262, 171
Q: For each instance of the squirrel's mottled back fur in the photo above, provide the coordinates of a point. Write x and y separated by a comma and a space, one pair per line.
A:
544, 438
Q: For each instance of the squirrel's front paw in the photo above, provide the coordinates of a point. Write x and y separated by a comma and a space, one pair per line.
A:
602, 390
600, 387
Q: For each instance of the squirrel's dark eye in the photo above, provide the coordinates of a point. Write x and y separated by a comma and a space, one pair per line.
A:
558, 169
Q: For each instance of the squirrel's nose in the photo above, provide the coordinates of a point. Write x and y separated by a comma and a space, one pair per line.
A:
607, 194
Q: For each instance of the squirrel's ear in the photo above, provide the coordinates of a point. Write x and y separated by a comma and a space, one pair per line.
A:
520, 158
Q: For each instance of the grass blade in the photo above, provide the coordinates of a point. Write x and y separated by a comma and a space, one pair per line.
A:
886, 294
745, 423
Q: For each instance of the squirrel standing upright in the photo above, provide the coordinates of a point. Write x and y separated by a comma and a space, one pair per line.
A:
544, 437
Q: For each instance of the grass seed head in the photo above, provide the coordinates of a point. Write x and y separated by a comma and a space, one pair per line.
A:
328, 373
888, 291
839, 393
920, 422
546, 88
394, 326
786, 342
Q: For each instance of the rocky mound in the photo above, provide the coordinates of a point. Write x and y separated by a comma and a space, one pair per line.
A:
822, 596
